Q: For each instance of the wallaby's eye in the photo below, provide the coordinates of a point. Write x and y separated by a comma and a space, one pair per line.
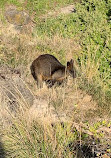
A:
72, 71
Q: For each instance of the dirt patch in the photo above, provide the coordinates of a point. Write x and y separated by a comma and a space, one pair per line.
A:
65, 10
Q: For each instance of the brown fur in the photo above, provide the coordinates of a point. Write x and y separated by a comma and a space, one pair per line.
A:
47, 68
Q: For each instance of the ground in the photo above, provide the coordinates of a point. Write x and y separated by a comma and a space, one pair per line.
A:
65, 104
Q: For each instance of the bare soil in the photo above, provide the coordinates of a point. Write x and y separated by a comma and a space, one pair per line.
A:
65, 10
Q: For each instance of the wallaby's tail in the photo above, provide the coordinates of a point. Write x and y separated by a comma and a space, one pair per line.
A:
33, 72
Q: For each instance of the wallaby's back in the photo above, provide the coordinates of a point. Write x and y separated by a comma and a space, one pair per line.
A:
47, 68
45, 65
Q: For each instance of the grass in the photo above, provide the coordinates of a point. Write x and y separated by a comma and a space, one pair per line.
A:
85, 37
41, 7
90, 25
36, 6
25, 137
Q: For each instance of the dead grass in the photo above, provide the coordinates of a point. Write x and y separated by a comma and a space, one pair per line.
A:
68, 104
19, 49
60, 106
23, 48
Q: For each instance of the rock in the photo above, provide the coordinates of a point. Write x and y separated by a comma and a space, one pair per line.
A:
15, 95
13, 90
19, 21
16, 17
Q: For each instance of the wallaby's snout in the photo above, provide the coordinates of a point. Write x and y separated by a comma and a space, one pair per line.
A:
47, 68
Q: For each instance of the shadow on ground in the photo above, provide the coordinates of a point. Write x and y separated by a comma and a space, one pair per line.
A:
2, 151
90, 149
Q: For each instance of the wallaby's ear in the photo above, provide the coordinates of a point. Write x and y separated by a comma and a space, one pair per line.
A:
68, 64
71, 61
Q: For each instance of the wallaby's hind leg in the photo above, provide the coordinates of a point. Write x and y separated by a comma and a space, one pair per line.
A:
39, 81
32, 68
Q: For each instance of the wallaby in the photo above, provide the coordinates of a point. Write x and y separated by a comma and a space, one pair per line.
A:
47, 68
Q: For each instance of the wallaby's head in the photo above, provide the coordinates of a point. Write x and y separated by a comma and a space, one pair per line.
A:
70, 68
